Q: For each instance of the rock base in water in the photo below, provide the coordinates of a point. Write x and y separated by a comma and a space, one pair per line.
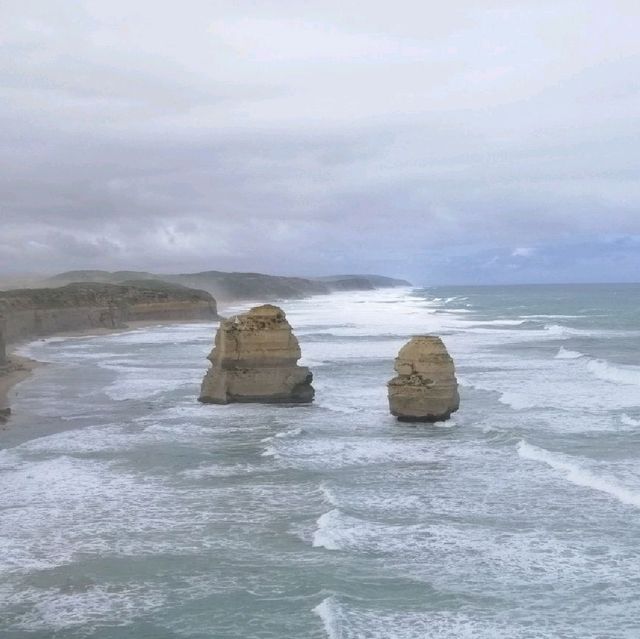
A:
255, 360
425, 389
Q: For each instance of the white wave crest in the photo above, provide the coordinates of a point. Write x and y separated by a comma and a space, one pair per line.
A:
557, 330
578, 475
565, 353
324, 536
294, 432
517, 401
629, 421
328, 612
328, 495
617, 374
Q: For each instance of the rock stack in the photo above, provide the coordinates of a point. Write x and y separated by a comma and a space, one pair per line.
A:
425, 389
254, 359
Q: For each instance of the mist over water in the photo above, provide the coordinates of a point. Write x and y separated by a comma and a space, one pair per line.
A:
130, 510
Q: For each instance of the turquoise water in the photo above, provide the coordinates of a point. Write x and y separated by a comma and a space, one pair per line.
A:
128, 510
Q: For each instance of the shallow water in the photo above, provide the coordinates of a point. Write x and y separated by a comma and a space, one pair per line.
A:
129, 510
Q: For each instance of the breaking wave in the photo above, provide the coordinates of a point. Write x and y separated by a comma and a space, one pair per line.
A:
565, 353
578, 475
617, 374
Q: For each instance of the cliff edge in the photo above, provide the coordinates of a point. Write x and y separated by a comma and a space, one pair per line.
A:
36, 312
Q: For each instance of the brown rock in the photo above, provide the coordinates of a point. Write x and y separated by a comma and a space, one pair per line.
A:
425, 389
254, 359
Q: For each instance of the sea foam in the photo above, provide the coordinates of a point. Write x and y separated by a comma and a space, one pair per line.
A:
614, 373
577, 474
565, 353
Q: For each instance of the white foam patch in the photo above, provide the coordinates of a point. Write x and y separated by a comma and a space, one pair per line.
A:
58, 610
143, 382
342, 621
500, 322
328, 494
293, 432
284, 434
617, 374
222, 470
337, 531
568, 384
561, 332
350, 451
518, 401
162, 334
629, 421
579, 475
565, 353
55, 509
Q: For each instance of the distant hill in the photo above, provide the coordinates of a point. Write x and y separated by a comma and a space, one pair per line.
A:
377, 281
238, 286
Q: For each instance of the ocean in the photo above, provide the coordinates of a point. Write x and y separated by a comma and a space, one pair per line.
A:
129, 510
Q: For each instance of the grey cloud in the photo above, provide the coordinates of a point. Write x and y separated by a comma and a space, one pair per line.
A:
309, 138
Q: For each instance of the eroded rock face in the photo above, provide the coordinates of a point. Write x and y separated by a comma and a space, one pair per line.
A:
254, 359
3, 345
425, 389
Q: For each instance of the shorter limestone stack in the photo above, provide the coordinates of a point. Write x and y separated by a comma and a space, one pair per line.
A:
425, 389
254, 359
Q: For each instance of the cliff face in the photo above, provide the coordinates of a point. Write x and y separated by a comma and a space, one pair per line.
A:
255, 360
425, 388
3, 343
35, 312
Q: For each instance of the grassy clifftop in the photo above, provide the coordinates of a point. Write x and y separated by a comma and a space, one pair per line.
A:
30, 312
100, 294
239, 286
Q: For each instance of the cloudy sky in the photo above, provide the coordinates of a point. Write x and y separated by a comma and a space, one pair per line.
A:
469, 141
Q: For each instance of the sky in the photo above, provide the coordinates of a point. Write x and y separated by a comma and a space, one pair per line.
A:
466, 142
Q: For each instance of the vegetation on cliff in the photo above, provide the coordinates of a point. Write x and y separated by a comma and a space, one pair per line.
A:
239, 286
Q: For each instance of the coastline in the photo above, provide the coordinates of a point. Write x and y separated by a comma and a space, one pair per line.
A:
19, 368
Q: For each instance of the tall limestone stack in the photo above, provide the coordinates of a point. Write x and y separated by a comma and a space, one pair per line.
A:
425, 389
254, 359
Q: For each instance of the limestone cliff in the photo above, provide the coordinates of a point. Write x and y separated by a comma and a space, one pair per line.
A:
254, 359
46, 311
425, 388
3, 343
